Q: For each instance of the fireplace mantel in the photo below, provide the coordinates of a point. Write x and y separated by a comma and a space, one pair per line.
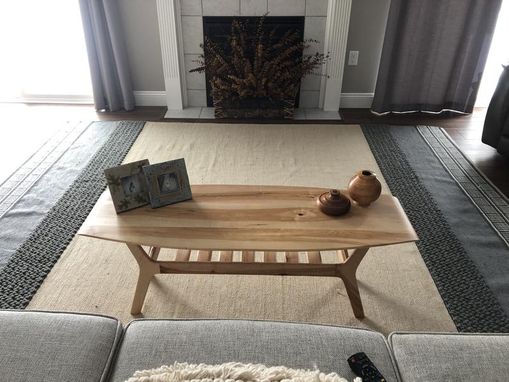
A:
179, 45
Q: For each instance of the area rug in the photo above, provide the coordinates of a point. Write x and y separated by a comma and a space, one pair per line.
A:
461, 218
397, 289
37, 184
39, 163
444, 283
40, 215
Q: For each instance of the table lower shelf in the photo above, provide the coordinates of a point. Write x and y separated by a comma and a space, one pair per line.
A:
342, 264
236, 257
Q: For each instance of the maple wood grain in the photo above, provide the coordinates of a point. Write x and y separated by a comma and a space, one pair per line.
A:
251, 218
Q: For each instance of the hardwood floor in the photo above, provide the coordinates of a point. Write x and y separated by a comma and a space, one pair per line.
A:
465, 130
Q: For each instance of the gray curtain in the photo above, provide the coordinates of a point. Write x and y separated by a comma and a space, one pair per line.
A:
434, 54
111, 82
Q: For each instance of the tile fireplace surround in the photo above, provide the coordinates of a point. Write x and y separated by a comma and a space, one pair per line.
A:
181, 33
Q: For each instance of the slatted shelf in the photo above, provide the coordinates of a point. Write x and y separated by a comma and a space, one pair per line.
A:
313, 257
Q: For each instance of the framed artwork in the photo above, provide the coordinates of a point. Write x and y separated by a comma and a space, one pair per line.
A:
168, 183
128, 186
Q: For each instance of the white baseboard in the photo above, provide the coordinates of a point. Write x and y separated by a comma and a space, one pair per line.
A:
142, 98
50, 98
348, 100
150, 98
356, 100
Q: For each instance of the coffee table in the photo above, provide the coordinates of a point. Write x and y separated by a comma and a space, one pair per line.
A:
258, 230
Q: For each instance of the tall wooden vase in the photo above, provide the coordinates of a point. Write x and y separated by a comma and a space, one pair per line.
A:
364, 188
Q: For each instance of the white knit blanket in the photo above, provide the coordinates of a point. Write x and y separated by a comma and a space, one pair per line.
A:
232, 372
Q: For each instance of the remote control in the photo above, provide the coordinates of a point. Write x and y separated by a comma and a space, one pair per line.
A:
362, 366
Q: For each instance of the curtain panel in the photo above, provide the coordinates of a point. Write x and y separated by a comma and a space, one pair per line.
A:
434, 54
109, 69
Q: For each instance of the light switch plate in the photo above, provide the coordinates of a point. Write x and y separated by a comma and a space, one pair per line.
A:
353, 57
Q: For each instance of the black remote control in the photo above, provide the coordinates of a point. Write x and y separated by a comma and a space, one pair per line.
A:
362, 366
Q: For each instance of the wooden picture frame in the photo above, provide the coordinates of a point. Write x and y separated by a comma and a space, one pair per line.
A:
168, 182
127, 185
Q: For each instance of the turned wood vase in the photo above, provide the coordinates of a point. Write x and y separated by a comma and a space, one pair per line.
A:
333, 203
364, 188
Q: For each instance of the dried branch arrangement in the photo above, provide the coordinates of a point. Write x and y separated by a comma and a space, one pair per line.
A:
259, 66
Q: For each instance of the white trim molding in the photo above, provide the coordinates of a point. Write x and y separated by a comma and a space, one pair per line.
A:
356, 100
150, 98
51, 98
170, 31
158, 98
336, 36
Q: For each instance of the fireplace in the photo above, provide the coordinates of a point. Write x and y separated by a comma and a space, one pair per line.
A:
218, 29
181, 33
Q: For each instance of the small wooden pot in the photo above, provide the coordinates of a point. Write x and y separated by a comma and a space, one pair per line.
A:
364, 188
333, 203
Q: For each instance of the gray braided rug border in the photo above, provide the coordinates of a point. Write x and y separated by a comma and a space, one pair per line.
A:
489, 200
468, 299
34, 259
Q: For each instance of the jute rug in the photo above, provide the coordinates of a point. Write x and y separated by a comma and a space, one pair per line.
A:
397, 290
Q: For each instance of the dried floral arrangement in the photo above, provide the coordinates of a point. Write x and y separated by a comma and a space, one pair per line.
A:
260, 76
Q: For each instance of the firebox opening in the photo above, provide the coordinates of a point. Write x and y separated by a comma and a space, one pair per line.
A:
218, 29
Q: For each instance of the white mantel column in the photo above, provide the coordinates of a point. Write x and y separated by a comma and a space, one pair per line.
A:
336, 36
170, 31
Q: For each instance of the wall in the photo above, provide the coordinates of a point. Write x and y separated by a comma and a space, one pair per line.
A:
139, 21
366, 34
367, 26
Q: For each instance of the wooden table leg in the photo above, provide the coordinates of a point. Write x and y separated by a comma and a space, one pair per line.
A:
148, 268
154, 253
347, 272
343, 253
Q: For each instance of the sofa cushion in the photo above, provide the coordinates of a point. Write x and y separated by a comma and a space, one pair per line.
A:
451, 356
42, 346
151, 343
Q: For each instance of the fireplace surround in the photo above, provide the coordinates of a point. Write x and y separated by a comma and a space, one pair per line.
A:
181, 33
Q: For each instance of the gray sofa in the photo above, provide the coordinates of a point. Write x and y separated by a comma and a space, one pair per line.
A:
50, 346
496, 124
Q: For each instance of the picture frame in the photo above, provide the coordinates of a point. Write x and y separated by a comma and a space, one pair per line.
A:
168, 182
127, 185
